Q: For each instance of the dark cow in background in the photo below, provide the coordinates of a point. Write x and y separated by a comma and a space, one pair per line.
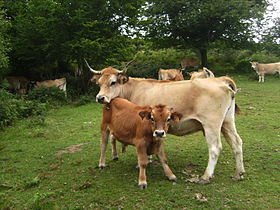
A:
18, 85
189, 63
141, 126
263, 69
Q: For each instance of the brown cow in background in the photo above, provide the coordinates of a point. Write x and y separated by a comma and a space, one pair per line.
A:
170, 74
59, 83
18, 85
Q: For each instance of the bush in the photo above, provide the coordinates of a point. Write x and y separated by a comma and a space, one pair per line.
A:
147, 63
13, 108
49, 95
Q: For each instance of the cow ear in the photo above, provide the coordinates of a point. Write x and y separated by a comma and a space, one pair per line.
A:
145, 114
95, 78
176, 117
122, 78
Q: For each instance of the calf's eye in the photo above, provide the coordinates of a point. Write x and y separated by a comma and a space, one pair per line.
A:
113, 83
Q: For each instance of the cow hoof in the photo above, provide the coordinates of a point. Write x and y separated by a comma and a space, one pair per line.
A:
173, 179
203, 181
238, 177
116, 158
101, 167
142, 186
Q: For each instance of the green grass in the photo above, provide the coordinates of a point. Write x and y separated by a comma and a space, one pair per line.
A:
34, 176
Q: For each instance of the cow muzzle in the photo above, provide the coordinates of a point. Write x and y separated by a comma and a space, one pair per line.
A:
102, 99
159, 133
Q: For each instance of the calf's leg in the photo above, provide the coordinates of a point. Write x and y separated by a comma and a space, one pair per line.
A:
114, 147
142, 163
104, 140
163, 160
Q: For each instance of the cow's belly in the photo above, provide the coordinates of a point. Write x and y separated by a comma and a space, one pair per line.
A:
185, 127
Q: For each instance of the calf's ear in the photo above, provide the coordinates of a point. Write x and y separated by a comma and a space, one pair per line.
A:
145, 114
122, 78
176, 117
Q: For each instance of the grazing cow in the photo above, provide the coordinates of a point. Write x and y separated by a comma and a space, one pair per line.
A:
263, 69
141, 126
207, 105
18, 85
189, 63
170, 74
59, 83
201, 74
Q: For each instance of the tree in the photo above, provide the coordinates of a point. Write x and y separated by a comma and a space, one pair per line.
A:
50, 36
4, 42
200, 23
271, 40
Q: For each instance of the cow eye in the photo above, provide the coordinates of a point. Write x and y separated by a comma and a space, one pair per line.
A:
152, 118
168, 119
113, 83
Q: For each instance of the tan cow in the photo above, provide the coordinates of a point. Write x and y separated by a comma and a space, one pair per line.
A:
141, 126
170, 74
18, 85
263, 69
201, 74
59, 83
189, 63
207, 105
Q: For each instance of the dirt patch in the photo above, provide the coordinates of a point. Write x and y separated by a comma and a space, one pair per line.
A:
72, 149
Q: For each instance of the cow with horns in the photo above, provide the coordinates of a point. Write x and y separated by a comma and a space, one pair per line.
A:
207, 105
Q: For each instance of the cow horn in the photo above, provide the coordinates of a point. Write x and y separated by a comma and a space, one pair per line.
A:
92, 70
126, 67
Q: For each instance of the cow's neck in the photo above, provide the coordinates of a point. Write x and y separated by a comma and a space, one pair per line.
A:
130, 88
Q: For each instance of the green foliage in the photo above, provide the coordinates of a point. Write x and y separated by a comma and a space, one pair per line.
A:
65, 32
200, 23
228, 60
13, 108
148, 62
85, 99
4, 42
49, 95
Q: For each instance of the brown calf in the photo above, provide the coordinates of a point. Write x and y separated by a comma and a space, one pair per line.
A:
141, 126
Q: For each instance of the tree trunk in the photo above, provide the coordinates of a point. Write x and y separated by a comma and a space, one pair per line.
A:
203, 57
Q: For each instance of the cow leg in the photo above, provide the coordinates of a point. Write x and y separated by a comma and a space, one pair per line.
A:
213, 139
234, 140
114, 147
163, 160
104, 140
142, 163
260, 78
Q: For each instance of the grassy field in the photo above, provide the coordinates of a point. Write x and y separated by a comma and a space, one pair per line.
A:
41, 169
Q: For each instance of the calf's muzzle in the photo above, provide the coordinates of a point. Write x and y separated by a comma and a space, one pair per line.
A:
159, 133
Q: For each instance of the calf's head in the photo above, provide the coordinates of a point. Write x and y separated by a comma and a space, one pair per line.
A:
110, 81
160, 117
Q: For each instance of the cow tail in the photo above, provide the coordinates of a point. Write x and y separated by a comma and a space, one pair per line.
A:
233, 88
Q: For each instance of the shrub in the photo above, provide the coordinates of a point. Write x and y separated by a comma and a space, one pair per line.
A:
49, 95
148, 62
12, 108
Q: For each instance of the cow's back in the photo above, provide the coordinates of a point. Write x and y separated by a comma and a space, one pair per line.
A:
269, 68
